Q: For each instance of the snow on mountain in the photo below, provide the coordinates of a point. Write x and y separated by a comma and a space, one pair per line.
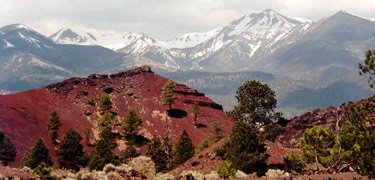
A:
240, 40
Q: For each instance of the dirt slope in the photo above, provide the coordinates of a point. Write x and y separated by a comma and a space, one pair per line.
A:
24, 115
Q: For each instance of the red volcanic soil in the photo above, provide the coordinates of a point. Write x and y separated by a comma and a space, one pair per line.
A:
319, 117
24, 115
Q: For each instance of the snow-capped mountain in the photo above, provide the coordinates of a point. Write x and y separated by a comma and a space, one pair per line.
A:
239, 40
225, 47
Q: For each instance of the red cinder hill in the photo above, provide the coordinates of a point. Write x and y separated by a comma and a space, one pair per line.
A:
24, 115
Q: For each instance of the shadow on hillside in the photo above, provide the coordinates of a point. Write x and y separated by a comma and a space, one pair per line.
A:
201, 126
141, 140
177, 113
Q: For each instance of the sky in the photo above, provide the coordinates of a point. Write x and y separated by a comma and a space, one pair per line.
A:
163, 19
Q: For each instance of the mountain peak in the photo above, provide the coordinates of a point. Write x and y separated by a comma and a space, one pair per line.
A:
12, 27
344, 13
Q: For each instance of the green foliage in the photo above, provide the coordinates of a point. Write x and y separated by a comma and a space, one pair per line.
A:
39, 154
25, 161
357, 138
226, 170
70, 151
167, 97
318, 144
295, 162
102, 155
44, 172
271, 131
105, 103
91, 102
106, 121
368, 66
216, 132
156, 151
129, 152
130, 125
203, 145
7, 150
256, 102
243, 149
184, 149
53, 126
195, 113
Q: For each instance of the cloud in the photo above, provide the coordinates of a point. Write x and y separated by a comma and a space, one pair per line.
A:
163, 19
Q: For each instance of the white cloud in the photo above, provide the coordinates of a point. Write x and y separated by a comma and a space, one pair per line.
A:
161, 18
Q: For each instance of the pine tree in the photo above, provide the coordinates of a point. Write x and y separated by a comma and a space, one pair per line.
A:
39, 154
157, 153
102, 154
25, 161
256, 103
106, 121
53, 126
243, 149
194, 114
70, 151
184, 149
130, 125
216, 132
7, 150
105, 103
167, 97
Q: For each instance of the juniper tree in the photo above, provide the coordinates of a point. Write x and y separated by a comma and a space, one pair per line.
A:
53, 126
130, 125
319, 146
7, 150
357, 138
167, 97
184, 149
70, 154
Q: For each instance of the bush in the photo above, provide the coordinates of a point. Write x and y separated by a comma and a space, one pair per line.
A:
203, 145
276, 173
164, 177
44, 172
240, 174
109, 168
114, 176
91, 102
191, 175
212, 176
144, 166
294, 162
225, 170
